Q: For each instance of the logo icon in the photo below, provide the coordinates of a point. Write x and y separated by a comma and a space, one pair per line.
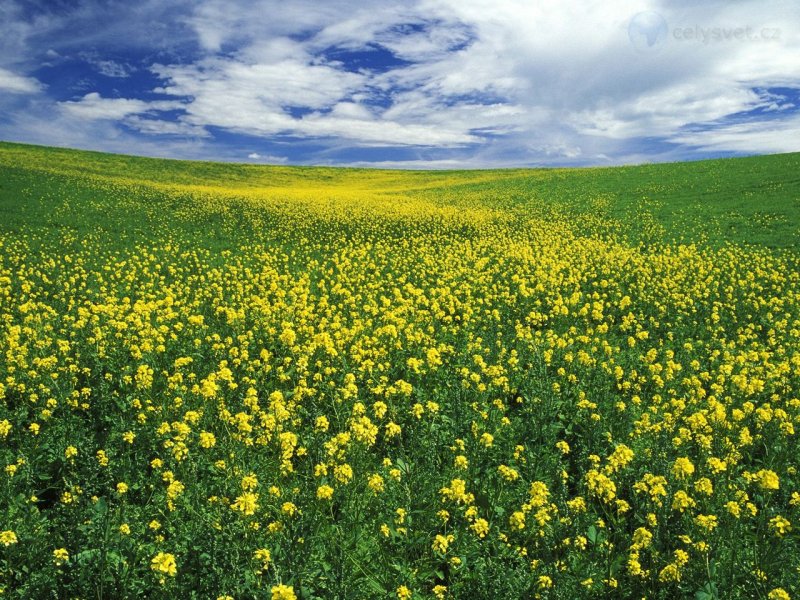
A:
647, 31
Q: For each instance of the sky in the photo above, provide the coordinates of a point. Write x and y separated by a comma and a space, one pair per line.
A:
413, 84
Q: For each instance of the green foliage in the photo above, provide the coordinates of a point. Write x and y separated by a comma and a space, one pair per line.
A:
534, 383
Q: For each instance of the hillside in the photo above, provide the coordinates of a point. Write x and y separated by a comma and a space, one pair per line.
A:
230, 381
752, 200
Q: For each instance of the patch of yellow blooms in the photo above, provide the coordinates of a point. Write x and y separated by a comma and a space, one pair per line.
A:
359, 329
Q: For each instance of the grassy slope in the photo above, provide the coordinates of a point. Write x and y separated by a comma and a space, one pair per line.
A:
752, 200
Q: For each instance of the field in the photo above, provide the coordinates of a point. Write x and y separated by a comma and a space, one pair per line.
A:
232, 381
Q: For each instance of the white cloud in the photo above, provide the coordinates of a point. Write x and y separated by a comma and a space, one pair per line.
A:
110, 68
18, 84
748, 138
93, 106
156, 126
479, 81
268, 159
254, 98
559, 73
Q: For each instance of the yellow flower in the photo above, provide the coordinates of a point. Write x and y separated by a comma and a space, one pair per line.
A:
122, 488
164, 562
669, 573
480, 527
682, 468
247, 503
249, 482
779, 594
767, 480
289, 509
641, 538
129, 436
207, 439
733, 508
508, 473
704, 486
324, 492
619, 458
600, 485
375, 483
681, 501
393, 430
440, 592
707, 522
343, 473
403, 593
8, 538
70, 452
780, 525
264, 556
456, 492
441, 543
60, 556
283, 592
125, 529
517, 520
577, 504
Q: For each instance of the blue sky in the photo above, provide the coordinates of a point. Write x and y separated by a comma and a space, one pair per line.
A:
417, 84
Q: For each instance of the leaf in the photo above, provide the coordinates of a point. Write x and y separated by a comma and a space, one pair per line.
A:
114, 559
378, 588
709, 592
591, 533
87, 556
101, 507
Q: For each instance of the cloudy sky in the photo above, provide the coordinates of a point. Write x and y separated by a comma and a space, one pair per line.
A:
426, 83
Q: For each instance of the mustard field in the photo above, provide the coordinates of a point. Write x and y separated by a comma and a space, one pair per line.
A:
228, 381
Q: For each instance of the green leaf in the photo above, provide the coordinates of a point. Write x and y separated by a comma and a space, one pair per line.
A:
378, 588
591, 533
87, 556
101, 507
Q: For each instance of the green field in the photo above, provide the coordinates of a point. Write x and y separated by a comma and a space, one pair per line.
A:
238, 381
747, 200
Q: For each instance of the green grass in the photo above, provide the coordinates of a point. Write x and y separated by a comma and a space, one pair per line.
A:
303, 383
754, 200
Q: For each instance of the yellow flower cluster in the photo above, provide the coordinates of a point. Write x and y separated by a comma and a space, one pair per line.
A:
331, 372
